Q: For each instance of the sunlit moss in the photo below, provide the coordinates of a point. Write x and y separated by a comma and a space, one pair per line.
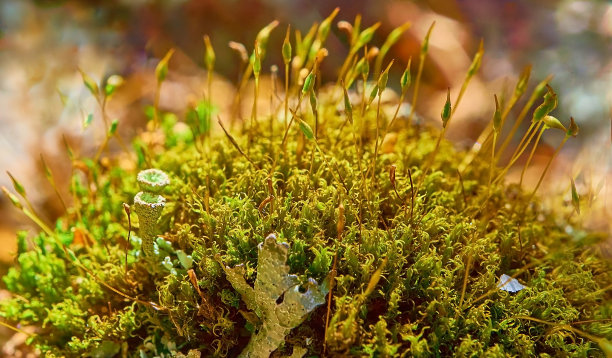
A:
424, 241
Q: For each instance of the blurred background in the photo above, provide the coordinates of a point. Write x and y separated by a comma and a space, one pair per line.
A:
44, 43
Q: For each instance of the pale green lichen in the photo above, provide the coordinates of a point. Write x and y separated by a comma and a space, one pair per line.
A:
148, 205
274, 284
152, 180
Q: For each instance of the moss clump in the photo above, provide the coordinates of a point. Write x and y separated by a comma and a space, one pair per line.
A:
414, 247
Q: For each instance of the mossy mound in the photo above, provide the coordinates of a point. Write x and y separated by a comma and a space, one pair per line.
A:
419, 246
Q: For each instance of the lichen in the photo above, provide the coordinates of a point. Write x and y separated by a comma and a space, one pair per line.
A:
427, 231
148, 205
276, 298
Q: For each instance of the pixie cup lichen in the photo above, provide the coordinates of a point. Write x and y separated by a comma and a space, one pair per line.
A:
152, 180
148, 205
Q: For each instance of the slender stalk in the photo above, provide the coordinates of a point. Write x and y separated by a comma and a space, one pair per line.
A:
519, 90
525, 140
411, 196
284, 141
101, 148
32, 216
534, 96
446, 116
286, 101
304, 91
434, 153
332, 277
376, 138
209, 62
563, 326
51, 180
126, 208
365, 74
399, 105
235, 144
358, 145
474, 67
161, 70
531, 153
253, 113
243, 72
422, 55
29, 211
497, 126
103, 105
286, 134
548, 166
353, 39
492, 162
209, 85
256, 72
348, 111
468, 266
273, 110
75, 198
155, 106
16, 329
465, 204
381, 85
485, 136
518, 152
246, 75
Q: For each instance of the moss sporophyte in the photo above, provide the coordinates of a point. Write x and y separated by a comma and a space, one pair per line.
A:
332, 225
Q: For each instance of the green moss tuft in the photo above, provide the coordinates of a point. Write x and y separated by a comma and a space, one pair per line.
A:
415, 265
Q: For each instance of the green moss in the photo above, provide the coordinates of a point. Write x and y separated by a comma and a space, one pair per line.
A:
417, 260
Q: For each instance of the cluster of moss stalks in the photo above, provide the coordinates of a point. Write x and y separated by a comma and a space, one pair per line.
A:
402, 238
